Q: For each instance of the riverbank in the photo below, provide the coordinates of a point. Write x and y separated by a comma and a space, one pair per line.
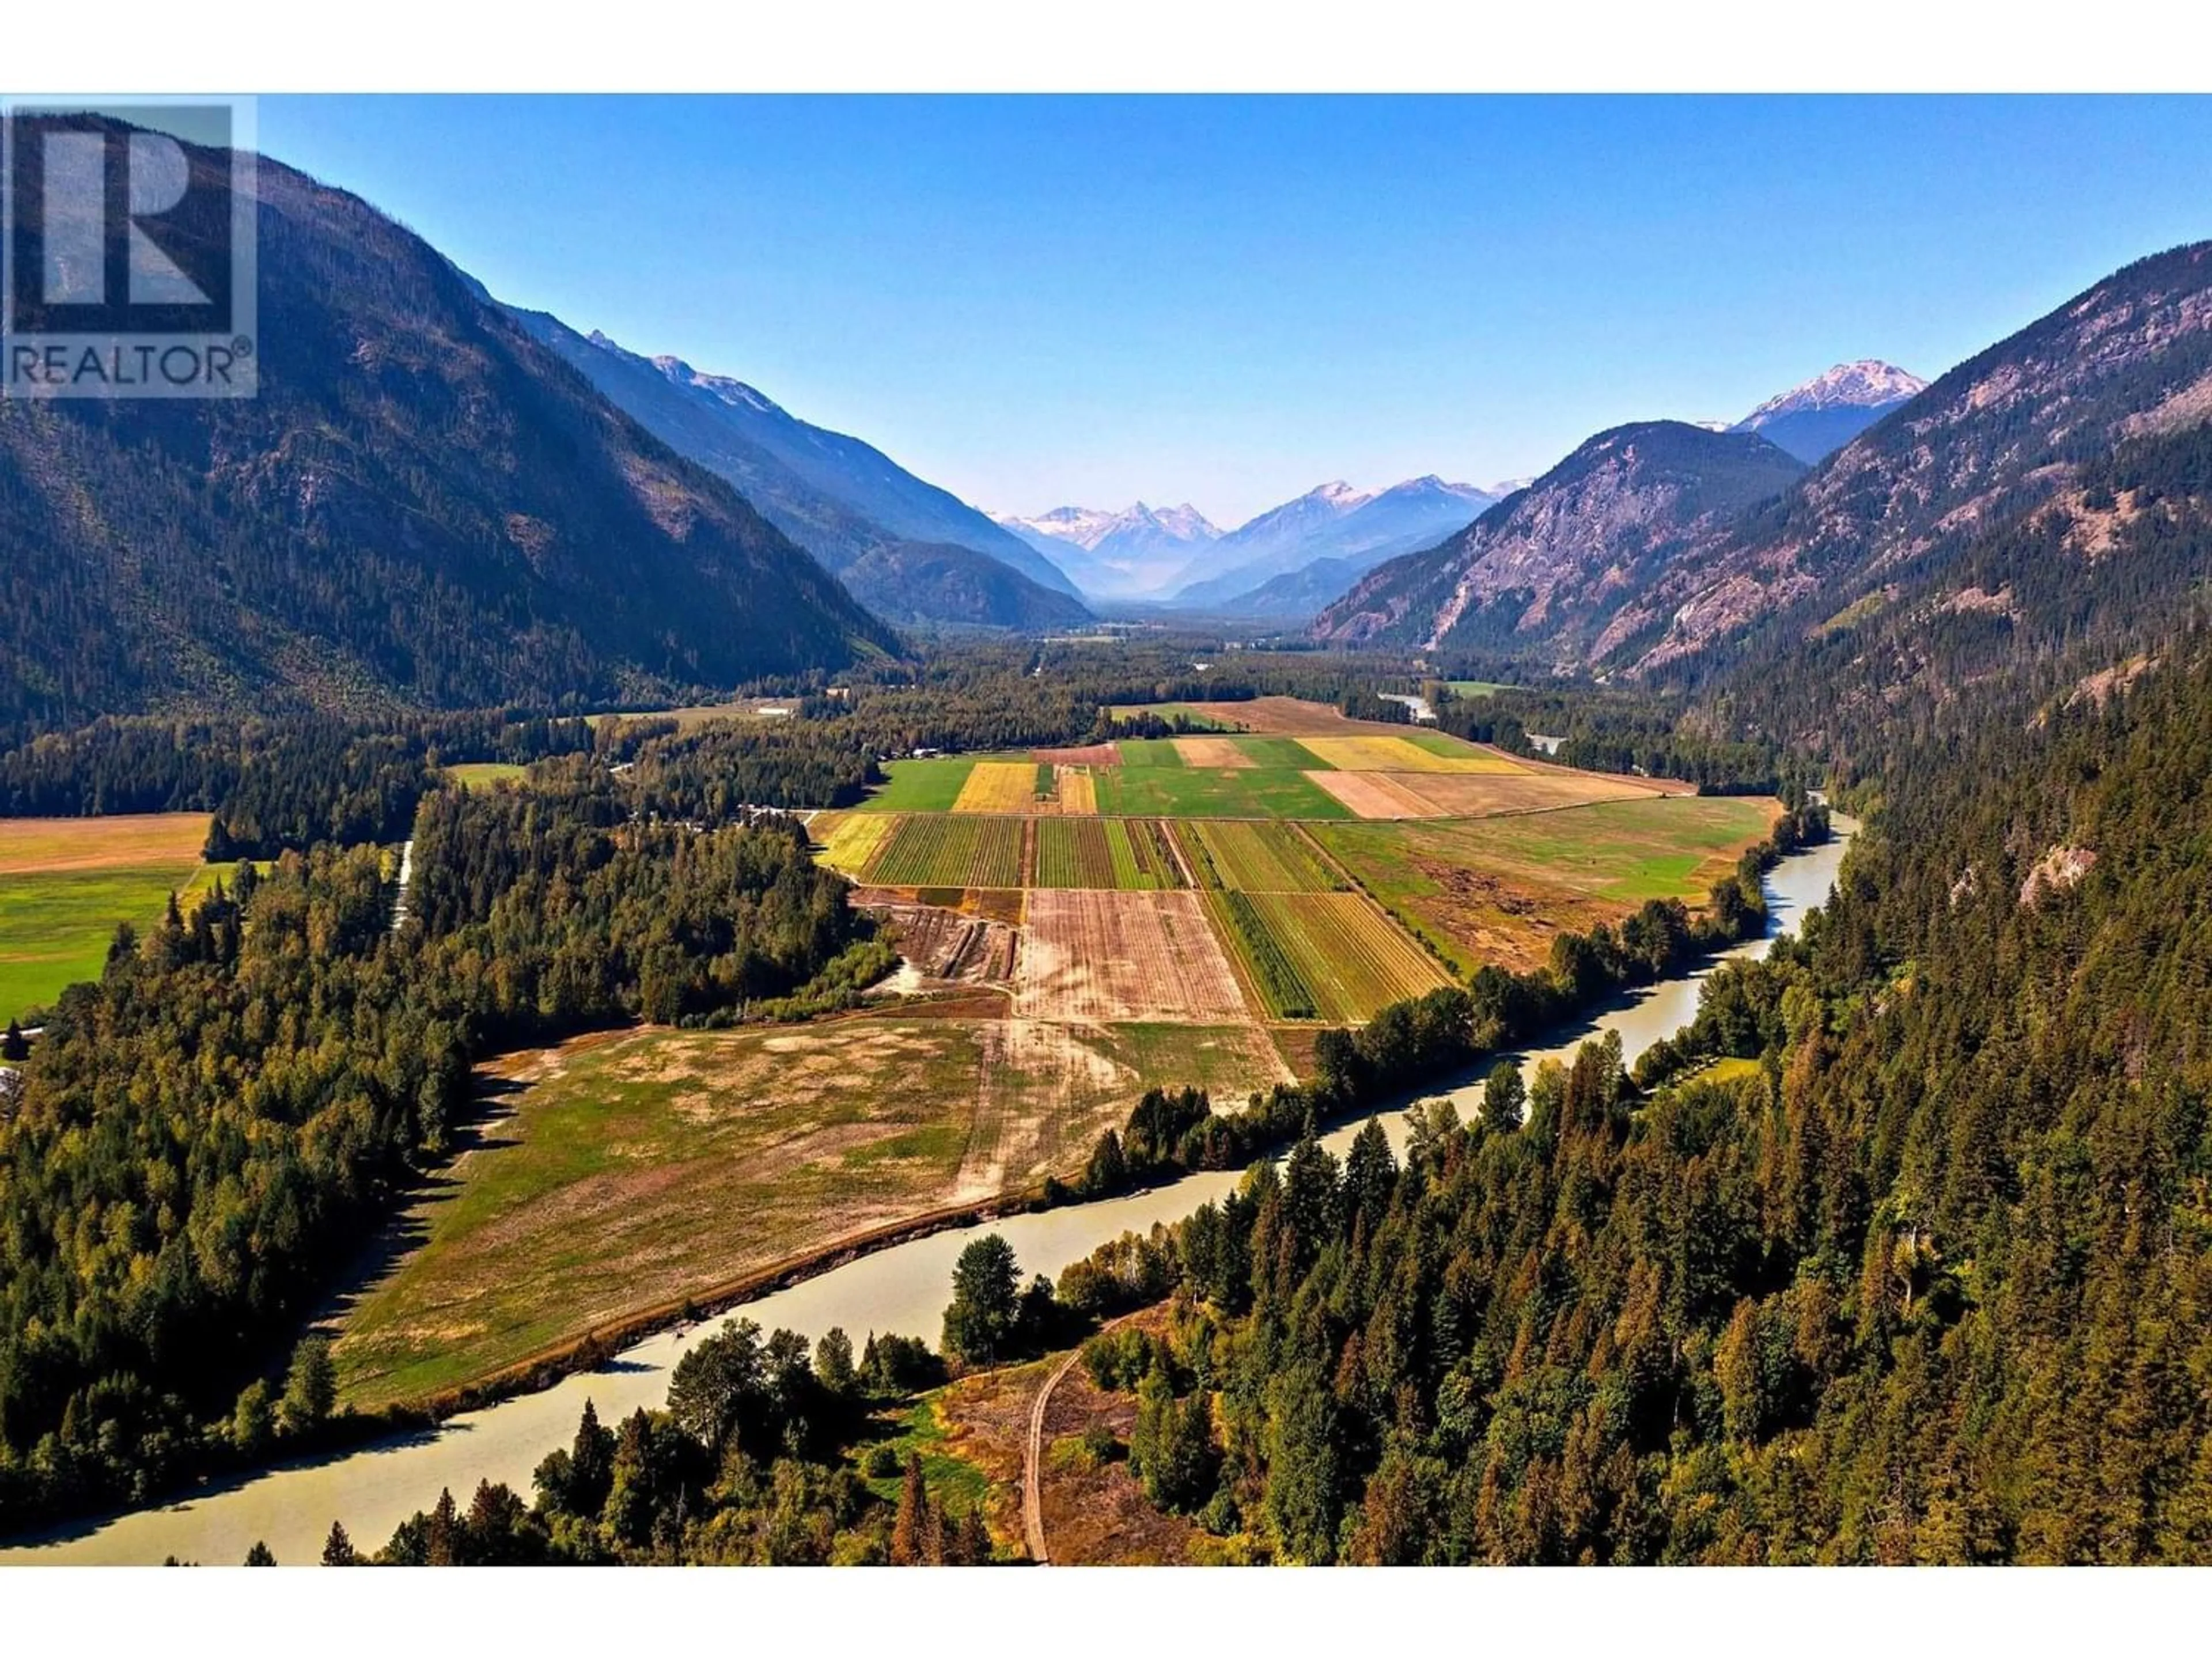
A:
900, 1289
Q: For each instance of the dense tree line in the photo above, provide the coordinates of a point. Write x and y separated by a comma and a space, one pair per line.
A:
200, 1138
1656, 735
271, 784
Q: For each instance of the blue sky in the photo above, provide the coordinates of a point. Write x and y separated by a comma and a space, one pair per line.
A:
1039, 301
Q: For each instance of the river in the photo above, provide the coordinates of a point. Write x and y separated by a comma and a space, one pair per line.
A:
903, 1289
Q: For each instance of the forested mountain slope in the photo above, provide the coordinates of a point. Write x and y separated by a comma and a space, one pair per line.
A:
2003, 433
2060, 603
422, 506
1888, 516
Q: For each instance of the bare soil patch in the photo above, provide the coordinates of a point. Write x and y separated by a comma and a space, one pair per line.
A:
1376, 795
1088, 754
1123, 956
1221, 752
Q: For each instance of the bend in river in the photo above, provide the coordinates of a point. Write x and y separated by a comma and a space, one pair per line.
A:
902, 1288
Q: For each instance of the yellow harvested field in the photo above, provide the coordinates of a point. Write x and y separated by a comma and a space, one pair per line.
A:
1398, 755
1221, 752
1471, 795
1106, 956
1077, 789
849, 840
1376, 795
999, 787
33, 846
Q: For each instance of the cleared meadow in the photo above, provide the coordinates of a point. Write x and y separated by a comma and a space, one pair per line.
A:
64, 885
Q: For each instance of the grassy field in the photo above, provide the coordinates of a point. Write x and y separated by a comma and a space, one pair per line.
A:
1475, 688
1496, 890
482, 774
64, 885
639, 1170
1155, 783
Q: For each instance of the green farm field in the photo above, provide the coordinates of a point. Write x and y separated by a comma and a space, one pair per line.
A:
64, 885
482, 774
1255, 858
1153, 782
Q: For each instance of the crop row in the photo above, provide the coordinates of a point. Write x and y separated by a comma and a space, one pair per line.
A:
952, 852
1350, 957
1281, 985
1143, 855
1073, 852
1257, 858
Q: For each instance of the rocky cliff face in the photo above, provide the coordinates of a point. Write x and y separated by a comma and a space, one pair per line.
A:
1547, 567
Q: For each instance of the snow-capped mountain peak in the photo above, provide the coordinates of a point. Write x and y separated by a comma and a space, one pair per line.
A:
1867, 384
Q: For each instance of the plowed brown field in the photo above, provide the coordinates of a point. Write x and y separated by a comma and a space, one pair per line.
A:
1094, 956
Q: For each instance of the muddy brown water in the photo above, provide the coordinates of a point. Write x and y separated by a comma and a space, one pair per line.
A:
902, 1288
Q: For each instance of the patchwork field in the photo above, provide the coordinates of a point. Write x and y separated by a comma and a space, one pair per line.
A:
1376, 795
1322, 956
1132, 854
1096, 955
64, 885
952, 852
931, 785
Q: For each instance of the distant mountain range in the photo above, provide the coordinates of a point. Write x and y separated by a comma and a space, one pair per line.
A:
2002, 514
1137, 553
1334, 532
1347, 531
905, 548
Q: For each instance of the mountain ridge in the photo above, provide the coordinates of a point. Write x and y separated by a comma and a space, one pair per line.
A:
422, 507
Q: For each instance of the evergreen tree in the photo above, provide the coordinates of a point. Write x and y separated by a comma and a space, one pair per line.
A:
981, 1321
